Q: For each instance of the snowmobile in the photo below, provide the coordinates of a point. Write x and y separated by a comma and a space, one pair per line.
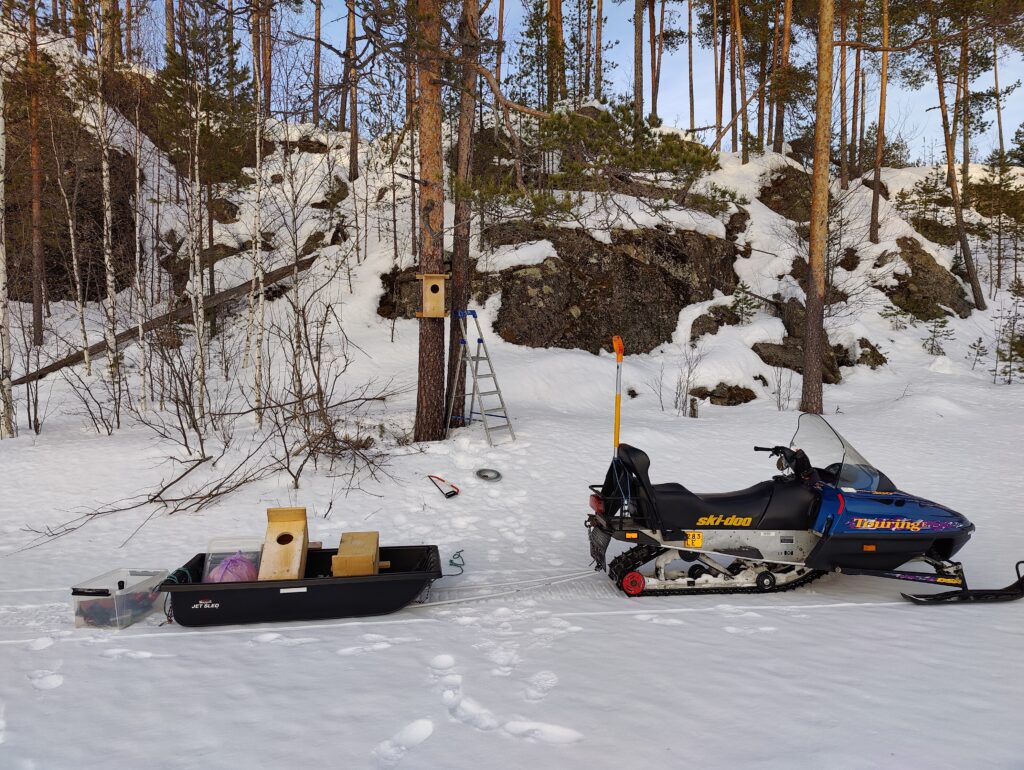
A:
829, 510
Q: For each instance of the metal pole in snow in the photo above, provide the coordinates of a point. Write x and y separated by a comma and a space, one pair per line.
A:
619, 350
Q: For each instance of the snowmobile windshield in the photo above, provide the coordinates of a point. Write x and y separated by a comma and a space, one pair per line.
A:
837, 462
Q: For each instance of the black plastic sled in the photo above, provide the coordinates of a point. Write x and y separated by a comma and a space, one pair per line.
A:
317, 596
1011, 593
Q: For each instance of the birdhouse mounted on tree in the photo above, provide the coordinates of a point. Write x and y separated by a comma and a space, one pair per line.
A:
433, 294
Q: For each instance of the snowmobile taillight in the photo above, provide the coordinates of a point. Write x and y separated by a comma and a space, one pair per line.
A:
869, 548
631, 536
597, 504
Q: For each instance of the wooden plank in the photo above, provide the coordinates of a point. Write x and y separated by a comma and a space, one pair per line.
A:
358, 554
285, 546
181, 314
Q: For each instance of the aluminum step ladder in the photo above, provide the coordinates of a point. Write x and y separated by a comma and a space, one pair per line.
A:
485, 385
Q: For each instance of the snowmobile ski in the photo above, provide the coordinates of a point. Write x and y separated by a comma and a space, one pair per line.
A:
1011, 593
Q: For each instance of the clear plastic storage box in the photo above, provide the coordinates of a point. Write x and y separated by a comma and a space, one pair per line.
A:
242, 555
118, 598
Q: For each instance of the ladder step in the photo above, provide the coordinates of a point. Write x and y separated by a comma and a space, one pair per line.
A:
480, 375
489, 393
506, 426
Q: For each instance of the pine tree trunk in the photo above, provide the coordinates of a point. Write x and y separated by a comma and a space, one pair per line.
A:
966, 112
353, 80
876, 191
81, 25
844, 168
430, 385
587, 49
999, 98
717, 70
266, 65
317, 6
762, 75
168, 26
129, 20
459, 285
780, 98
815, 340
689, 58
853, 161
38, 259
732, 84
6, 351
638, 58
738, 36
954, 192
599, 52
776, 38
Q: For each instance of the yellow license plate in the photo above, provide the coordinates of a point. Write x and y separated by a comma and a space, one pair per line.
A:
694, 539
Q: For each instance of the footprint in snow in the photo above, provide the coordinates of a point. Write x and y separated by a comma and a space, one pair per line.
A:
119, 652
749, 631
504, 656
539, 685
45, 680
287, 641
460, 707
542, 731
660, 621
390, 753
41, 643
375, 643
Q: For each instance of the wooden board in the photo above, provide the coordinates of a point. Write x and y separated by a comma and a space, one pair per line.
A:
358, 554
284, 548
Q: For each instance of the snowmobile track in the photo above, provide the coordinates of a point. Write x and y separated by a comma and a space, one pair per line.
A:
636, 557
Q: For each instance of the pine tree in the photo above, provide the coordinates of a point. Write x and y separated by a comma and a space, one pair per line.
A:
744, 304
938, 332
977, 352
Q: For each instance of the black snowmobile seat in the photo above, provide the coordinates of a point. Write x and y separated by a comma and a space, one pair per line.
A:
676, 507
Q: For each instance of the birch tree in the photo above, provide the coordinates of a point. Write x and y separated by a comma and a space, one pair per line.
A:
6, 351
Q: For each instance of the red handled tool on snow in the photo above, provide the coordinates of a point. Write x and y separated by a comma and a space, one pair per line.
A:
446, 488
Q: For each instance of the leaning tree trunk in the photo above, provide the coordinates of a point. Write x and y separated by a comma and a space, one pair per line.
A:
470, 34
954, 191
430, 385
814, 333
876, 192
780, 97
6, 351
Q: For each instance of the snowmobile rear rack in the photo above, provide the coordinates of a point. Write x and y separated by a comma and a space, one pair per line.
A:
1011, 593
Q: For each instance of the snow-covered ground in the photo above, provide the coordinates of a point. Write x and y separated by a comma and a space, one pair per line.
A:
567, 673
529, 659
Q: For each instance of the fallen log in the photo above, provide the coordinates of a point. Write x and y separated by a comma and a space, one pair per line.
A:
181, 314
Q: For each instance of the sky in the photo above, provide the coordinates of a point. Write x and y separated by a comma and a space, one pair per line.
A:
908, 112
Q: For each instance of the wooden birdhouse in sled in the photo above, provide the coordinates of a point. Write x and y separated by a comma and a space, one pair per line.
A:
285, 546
